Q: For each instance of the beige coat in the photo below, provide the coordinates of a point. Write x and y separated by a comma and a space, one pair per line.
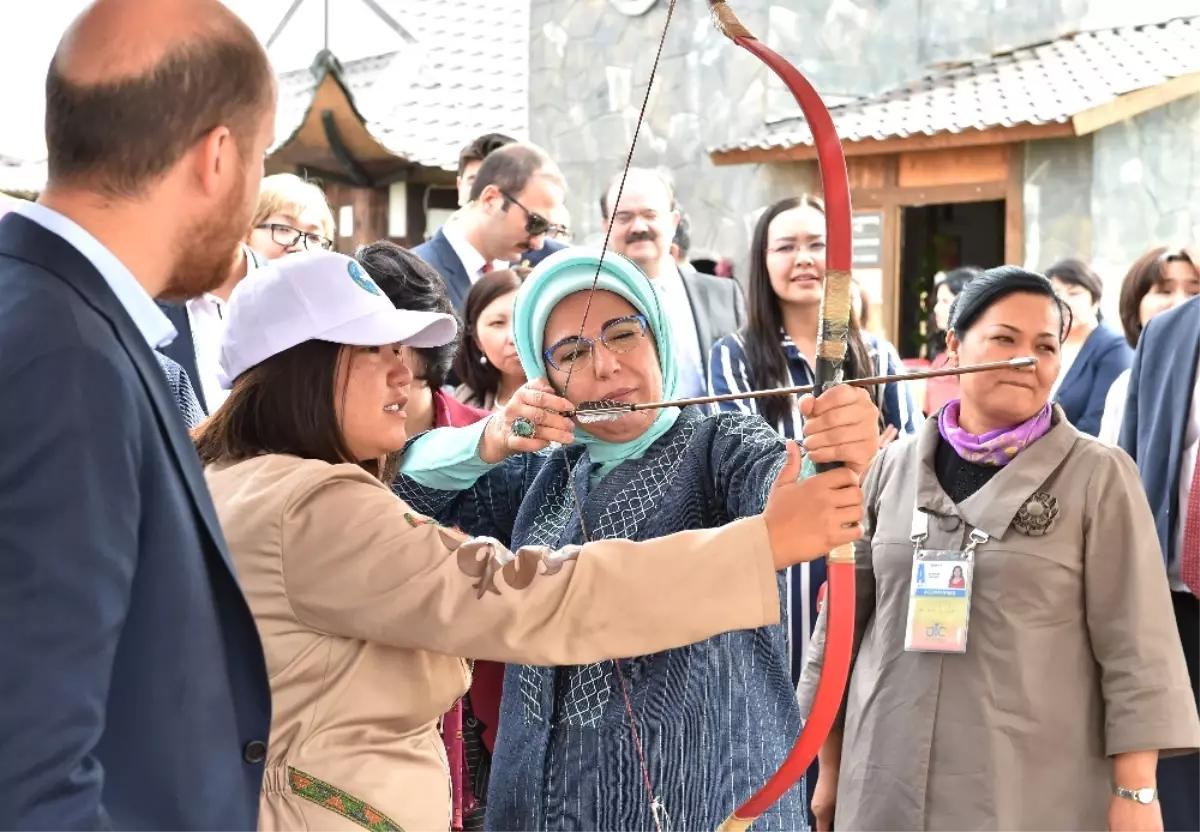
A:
1072, 651
363, 607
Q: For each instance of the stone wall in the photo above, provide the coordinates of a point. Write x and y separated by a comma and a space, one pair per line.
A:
1146, 189
1057, 201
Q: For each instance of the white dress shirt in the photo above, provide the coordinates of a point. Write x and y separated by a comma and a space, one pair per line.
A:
472, 261
151, 322
207, 315
1187, 469
684, 338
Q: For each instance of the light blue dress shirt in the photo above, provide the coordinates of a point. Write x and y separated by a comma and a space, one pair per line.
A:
154, 325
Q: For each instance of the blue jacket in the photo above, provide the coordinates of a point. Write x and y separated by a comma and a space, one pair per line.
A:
134, 688
1156, 410
437, 252
1104, 356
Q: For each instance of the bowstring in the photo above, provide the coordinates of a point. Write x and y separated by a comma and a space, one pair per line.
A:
656, 806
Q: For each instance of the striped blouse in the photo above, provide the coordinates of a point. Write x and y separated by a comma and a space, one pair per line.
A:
729, 372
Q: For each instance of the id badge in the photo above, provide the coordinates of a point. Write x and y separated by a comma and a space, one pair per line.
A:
939, 601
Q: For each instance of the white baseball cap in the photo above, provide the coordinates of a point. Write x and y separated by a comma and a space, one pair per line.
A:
317, 296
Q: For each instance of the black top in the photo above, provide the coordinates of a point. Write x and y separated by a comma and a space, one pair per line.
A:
957, 477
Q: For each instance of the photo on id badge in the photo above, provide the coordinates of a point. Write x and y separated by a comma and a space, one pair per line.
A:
939, 602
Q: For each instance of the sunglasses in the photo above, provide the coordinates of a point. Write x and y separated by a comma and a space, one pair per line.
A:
535, 224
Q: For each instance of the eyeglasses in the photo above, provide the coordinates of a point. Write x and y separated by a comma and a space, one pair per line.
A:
559, 232
621, 335
535, 224
286, 236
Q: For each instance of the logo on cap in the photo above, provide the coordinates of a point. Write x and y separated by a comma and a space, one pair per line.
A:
363, 279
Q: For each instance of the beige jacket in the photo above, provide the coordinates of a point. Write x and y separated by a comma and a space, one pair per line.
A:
363, 606
1072, 650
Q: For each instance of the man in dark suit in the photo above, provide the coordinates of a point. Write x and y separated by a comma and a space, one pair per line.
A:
701, 308
135, 691
1161, 431
515, 191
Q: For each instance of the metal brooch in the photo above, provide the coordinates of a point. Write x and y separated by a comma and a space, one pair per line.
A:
1036, 516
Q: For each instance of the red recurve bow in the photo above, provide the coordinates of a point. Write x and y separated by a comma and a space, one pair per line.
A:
831, 354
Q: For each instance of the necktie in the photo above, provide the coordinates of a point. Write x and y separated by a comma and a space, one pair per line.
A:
1189, 564
487, 267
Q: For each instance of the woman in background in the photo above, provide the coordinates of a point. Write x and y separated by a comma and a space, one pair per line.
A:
1160, 280
938, 391
775, 349
469, 728
292, 215
487, 362
1093, 354
787, 280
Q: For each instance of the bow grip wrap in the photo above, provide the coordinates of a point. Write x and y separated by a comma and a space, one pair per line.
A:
830, 361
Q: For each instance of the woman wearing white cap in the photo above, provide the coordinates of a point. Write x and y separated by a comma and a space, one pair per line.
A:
363, 606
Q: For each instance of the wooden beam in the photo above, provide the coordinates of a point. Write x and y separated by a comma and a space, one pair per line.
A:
1014, 208
1135, 103
866, 147
935, 195
345, 158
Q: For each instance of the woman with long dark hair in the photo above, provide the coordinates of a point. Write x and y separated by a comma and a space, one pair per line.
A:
776, 349
487, 362
787, 277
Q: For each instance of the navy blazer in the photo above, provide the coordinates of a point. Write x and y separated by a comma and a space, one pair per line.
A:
134, 687
437, 252
1104, 356
1156, 410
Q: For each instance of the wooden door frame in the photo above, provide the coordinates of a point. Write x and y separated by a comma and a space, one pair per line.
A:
887, 196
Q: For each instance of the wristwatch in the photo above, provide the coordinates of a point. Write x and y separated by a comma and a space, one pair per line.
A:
1143, 796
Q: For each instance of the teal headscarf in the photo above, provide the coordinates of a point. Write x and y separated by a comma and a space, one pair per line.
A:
572, 270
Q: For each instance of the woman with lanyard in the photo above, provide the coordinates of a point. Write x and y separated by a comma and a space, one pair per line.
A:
1039, 694
364, 607
679, 738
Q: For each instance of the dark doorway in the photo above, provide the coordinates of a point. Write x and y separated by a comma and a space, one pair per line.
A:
938, 238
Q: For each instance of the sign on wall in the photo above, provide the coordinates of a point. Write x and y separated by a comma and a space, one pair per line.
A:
867, 227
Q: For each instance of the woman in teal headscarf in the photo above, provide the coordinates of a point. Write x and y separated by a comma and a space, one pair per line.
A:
687, 733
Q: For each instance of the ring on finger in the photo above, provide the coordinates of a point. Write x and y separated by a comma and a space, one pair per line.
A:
523, 428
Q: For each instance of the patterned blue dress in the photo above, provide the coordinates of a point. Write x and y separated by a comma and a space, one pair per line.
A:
715, 719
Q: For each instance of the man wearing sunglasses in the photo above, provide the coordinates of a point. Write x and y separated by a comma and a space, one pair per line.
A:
516, 191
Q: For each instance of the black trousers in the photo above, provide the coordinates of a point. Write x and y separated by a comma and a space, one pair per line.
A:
1179, 777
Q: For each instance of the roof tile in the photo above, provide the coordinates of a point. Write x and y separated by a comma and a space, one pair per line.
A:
467, 74
1042, 84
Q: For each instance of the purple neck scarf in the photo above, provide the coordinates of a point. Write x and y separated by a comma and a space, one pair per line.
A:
997, 447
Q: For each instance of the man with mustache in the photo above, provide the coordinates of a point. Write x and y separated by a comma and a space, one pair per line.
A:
136, 695
701, 308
